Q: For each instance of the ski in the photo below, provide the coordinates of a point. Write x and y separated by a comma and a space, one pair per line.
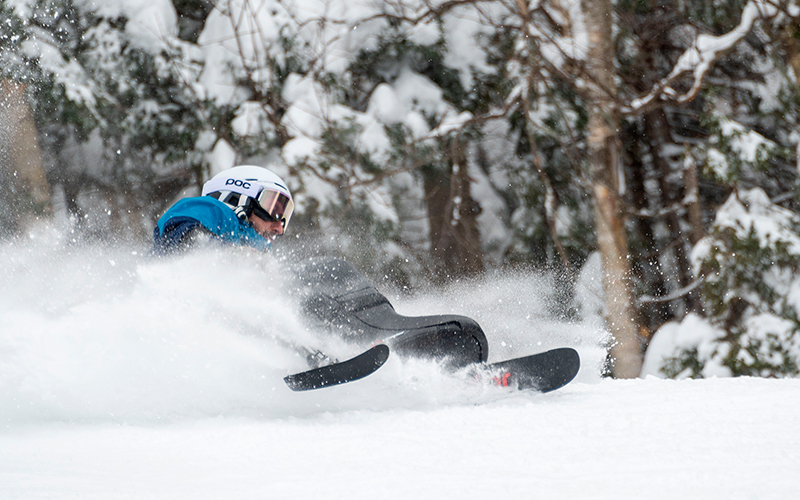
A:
352, 369
543, 372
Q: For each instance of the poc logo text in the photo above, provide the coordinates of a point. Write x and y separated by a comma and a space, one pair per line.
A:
238, 183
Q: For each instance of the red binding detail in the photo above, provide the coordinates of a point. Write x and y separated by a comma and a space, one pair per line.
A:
503, 382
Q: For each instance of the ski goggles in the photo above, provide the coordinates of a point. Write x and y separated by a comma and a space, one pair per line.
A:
274, 205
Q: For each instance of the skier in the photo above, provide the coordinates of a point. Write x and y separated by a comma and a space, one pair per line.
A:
251, 206
245, 205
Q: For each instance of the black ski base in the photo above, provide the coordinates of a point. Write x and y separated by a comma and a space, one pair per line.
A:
543, 372
355, 368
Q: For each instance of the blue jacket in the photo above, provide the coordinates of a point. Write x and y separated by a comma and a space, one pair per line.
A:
209, 213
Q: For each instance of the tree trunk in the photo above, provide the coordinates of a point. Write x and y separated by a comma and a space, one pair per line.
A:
452, 216
672, 195
26, 192
693, 196
789, 40
603, 162
646, 267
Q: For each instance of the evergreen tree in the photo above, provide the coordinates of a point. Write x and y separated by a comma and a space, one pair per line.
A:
751, 264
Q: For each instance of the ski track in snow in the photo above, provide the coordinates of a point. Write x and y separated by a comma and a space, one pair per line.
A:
125, 377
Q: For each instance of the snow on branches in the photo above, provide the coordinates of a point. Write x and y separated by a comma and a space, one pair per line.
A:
750, 262
698, 58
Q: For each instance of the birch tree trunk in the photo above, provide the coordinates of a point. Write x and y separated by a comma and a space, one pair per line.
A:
26, 192
603, 161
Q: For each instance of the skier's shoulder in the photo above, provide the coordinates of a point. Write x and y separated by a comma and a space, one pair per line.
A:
209, 212
202, 218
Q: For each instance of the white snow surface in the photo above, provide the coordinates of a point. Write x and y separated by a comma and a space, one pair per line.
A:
123, 376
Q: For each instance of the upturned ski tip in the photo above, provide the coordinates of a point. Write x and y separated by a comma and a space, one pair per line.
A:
342, 372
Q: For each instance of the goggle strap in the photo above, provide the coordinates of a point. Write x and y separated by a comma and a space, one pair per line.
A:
234, 200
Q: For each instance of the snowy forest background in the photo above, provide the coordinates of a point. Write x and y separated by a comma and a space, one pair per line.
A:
429, 141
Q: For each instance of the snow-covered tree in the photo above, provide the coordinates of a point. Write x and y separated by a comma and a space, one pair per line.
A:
118, 122
746, 138
751, 264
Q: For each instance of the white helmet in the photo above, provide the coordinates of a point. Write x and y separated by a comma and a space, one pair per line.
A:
252, 190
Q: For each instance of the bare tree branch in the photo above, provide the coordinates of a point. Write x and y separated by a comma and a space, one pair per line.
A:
698, 58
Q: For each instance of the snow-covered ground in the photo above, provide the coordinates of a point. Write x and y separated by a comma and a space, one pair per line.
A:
127, 377
709, 439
